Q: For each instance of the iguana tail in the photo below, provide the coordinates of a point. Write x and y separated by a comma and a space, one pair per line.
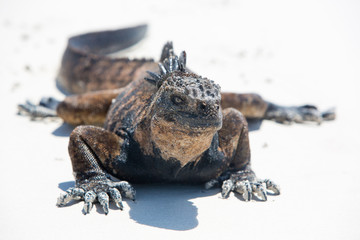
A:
86, 67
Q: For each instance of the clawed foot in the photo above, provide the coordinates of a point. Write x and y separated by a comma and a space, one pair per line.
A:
247, 188
98, 190
306, 113
246, 184
46, 108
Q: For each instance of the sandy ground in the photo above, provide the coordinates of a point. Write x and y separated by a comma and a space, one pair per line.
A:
290, 52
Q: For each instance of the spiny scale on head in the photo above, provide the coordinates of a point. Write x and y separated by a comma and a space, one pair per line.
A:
182, 61
195, 86
171, 63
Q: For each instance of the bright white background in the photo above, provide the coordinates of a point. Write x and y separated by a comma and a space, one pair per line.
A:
291, 52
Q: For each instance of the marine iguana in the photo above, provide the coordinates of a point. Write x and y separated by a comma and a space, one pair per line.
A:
161, 123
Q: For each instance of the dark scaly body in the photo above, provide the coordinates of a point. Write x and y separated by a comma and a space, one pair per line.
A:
165, 125
127, 118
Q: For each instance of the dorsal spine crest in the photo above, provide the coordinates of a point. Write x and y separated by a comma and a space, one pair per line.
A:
168, 64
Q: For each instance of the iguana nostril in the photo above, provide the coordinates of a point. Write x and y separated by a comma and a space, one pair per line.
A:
208, 109
203, 106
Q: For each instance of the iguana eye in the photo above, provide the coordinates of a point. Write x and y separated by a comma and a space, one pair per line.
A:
177, 100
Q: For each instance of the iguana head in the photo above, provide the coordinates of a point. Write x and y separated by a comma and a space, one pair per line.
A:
185, 100
185, 112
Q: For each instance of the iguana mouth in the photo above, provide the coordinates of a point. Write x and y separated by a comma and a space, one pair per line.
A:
190, 123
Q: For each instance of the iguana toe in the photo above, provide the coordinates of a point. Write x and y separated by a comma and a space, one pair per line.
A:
71, 194
103, 199
89, 199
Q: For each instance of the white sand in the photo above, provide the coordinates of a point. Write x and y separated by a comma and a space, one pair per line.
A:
291, 53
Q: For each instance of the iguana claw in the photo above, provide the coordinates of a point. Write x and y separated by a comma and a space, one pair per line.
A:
246, 184
301, 114
46, 108
98, 190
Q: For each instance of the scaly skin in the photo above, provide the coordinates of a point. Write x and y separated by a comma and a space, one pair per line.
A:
162, 123
167, 128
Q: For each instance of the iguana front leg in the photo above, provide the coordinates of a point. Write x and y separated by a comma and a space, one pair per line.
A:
254, 106
234, 143
90, 149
